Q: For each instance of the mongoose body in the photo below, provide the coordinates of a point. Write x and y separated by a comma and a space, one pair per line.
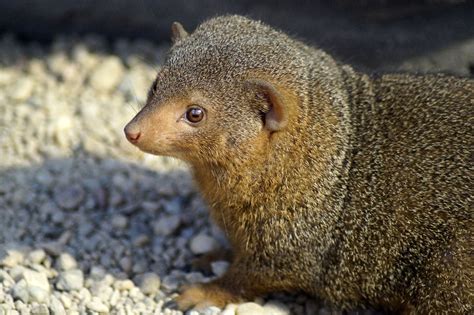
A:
353, 188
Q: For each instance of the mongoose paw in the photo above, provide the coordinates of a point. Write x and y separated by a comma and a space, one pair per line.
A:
202, 296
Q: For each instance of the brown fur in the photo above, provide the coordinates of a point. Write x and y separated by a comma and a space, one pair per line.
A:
362, 196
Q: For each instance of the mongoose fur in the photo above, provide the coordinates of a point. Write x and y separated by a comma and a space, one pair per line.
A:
353, 188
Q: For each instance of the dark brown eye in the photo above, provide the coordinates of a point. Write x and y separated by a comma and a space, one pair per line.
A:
194, 114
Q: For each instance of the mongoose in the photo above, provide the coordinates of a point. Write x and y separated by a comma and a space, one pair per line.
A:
353, 188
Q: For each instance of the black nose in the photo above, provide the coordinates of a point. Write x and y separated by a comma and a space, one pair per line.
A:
132, 132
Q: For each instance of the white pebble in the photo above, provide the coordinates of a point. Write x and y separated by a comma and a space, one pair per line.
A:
56, 307
250, 309
276, 308
202, 244
167, 225
36, 279
96, 305
107, 75
149, 283
70, 280
37, 294
37, 256
66, 262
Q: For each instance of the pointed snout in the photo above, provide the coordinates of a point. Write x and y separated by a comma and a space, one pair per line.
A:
132, 132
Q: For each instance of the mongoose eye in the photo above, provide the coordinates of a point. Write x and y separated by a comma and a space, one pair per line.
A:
194, 114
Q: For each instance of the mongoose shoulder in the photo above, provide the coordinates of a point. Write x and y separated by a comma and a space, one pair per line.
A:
354, 188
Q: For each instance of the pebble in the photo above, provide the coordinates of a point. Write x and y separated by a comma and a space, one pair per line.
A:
69, 197
56, 307
36, 256
11, 257
65, 262
20, 291
23, 89
36, 279
219, 267
40, 310
96, 305
250, 309
149, 283
167, 225
274, 307
119, 221
70, 280
202, 244
37, 294
107, 75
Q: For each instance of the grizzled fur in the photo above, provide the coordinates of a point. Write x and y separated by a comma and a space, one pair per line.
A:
365, 197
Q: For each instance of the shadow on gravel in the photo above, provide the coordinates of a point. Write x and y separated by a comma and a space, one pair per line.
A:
104, 212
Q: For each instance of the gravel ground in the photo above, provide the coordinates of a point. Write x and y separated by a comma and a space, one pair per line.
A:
89, 225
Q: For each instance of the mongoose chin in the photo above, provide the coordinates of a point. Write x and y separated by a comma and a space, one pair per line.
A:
353, 188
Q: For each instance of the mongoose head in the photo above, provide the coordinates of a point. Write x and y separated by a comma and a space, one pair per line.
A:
222, 95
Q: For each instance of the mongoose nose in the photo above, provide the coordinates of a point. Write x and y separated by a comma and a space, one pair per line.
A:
132, 133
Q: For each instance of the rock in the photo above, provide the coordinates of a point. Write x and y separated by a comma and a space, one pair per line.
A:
119, 221
124, 285
211, 310
107, 75
250, 309
126, 264
229, 309
167, 225
56, 307
96, 305
66, 262
97, 273
37, 295
149, 283
36, 279
20, 291
202, 244
23, 89
69, 197
40, 310
70, 280
219, 267
11, 257
36, 256
276, 308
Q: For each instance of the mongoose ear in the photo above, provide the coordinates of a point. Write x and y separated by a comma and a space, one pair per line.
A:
276, 118
178, 32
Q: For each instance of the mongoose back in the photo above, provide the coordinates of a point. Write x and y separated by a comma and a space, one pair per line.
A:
353, 188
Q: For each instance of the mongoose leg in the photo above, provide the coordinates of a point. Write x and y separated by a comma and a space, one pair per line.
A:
236, 285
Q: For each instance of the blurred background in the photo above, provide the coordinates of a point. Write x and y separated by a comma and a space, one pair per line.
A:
425, 35
90, 225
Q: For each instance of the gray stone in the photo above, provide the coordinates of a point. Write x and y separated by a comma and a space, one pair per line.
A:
20, 291
69, 197
149, 283
219, 267
167, 225
70, 280
202, 244
119, 221
65, 261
